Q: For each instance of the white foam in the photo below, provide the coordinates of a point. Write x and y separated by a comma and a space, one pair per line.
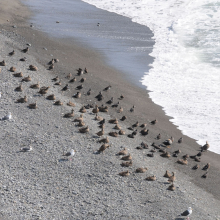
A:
185, 78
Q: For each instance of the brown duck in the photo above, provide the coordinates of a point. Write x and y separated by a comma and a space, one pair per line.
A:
182, 161
171, 187
172, 178
103, 148
117, 127
26, 79
98, 118
2, 63
151, 178
51, 97
100, 133
79, 119
58, 103
58, 83
113, 134
127, 163
81, 124
123, 152
120, 110
12, 69
44, 90
19, 88
103, 109
113, 121
83, 109
84, 130
124, 173
18, 74
128, 157
141, 170
35, 86
104, 140
165, 154
167, 174
71, 104
95, 110
121, 132
33, 105
33, 68
22, 100
70, 114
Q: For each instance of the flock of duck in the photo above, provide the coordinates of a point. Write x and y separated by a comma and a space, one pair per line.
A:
117, 129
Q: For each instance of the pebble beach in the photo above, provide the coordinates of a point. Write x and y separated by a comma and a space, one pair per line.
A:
42, 183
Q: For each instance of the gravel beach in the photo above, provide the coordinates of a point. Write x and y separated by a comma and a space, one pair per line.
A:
42, 183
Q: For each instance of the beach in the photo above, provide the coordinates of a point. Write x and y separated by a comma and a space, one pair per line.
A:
43, 184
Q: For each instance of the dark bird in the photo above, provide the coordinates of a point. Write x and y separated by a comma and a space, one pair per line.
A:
73, 80
66, 87
107, 88
143, 125
205, 175
113, 134
85, 70
95, 110
12, 69
155, 146
44, 90
33, 68
113, 121
22, 100
58, 103
33, 105
103, 148
180, 140
115, 105
103, 108
169, 141
121, 97
132, 109
171, 187
51, 67
110, 101
144, 132
123, 118
35, 86
100, 133
195, 167
104, 140
70, 114
79, 87
167, 174
57, 83
124, 173
79, 72
206, 167
123, 152
89, 92
77, 95
84, 130
127, 163
187, 213
99, 96
25, 50
150, 155
11, 53
26, 79
55, 79
128, 157
19, 88
121, 132
23, 59
2, 63
26, 149
205, 147
154, 122
51, 97
144, 145
18, 74
158, 136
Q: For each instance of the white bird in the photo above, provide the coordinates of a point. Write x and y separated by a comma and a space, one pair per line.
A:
0, 94
187, 213
26, 149
70, 154
7, 117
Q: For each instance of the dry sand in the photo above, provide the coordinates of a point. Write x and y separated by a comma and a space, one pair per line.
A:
42, 184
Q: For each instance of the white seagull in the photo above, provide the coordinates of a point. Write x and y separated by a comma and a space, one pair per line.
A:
26, 149
70, 154
187, 213
7, 117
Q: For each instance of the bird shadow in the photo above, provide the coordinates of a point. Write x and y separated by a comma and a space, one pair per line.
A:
62, 160
178, 218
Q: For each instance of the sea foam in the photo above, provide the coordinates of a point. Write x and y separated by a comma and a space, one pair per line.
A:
185, 78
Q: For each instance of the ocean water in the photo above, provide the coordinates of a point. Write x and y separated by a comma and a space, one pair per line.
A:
185, 75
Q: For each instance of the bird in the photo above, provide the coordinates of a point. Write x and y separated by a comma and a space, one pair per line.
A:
82, 109
205, 147
81, 124
98, 118
70, 114
18, 74
19, 88
89, 92
187, 213
58, 103
44, 90
103, 109
121, 97
141, 170
180, 140
144, 145
144, 132
123, 118
23, 59
66, 87
79, 119
120, 110
171, 187
12, 69
206, 167
72, 80
150, 155
79, 72
151, 178
110, 101
107, 88
95, 110
169, 141
82, 80
58, 83
7, 117
25, 50
195, 167
51, 67
100, 133
128, 157
167, 174
79, 87
22, 100
33, 105
2, 63
84, 130
113, 121
121, 132
123, 152
115, 105
33, 68
143, 125
70, 154
35, 86
126, 163
51, 97
77, 95
165, 154
113, 134
158, 136
132, 109
124, 173
172, 178
205, 175
71, 104
182, 161
154, 122
26, 79
68, 76
117, 127
103, 148
11, 53
26, 149
104, 140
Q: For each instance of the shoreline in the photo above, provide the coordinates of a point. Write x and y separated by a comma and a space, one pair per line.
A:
97, 81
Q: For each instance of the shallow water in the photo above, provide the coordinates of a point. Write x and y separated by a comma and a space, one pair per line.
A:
185, 78
124, 45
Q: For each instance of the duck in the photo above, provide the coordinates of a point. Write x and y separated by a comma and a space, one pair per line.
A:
18, 74
33, 68
71, 104
113, 134
151, 178
79, 119
123, 118
158, 137
113, 121
117, 127
128, 157
154, 122
121, 97
66, 87
123, 152
103, 109
35, 86
172, 178
95, 110
33, 105
89, 92
100, 133
150, 155
98, 118
84, 130
77, 95
2, 63
57, 83
83, 109
196, 167
81, 124
68, 76
205, 175
169, 141
23, 59
107, 88
51, 97
132, 109
110, 101
103, 148
180, 140
115, 105
121, 132
143, 125
26, 79
165, 154
51, 62
82, 80
206, 167
11, 53
167, 174
25, 50
171, 187
141, 170
12, 69
58, 103
144, 145
182, 161
135, 125
127, 163
205, 147
19, 88
155, 146
22, 100
26, 149
85, 70
44, 90
70, 114
124, 173
144, 132
72, 80
51, 67
79, 87
104, 140
79, 72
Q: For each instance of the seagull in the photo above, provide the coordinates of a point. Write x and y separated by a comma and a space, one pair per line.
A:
7, 117
187, 213
26, 149
70, 154
0, 94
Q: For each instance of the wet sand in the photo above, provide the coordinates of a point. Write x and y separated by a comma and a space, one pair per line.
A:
90, 174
